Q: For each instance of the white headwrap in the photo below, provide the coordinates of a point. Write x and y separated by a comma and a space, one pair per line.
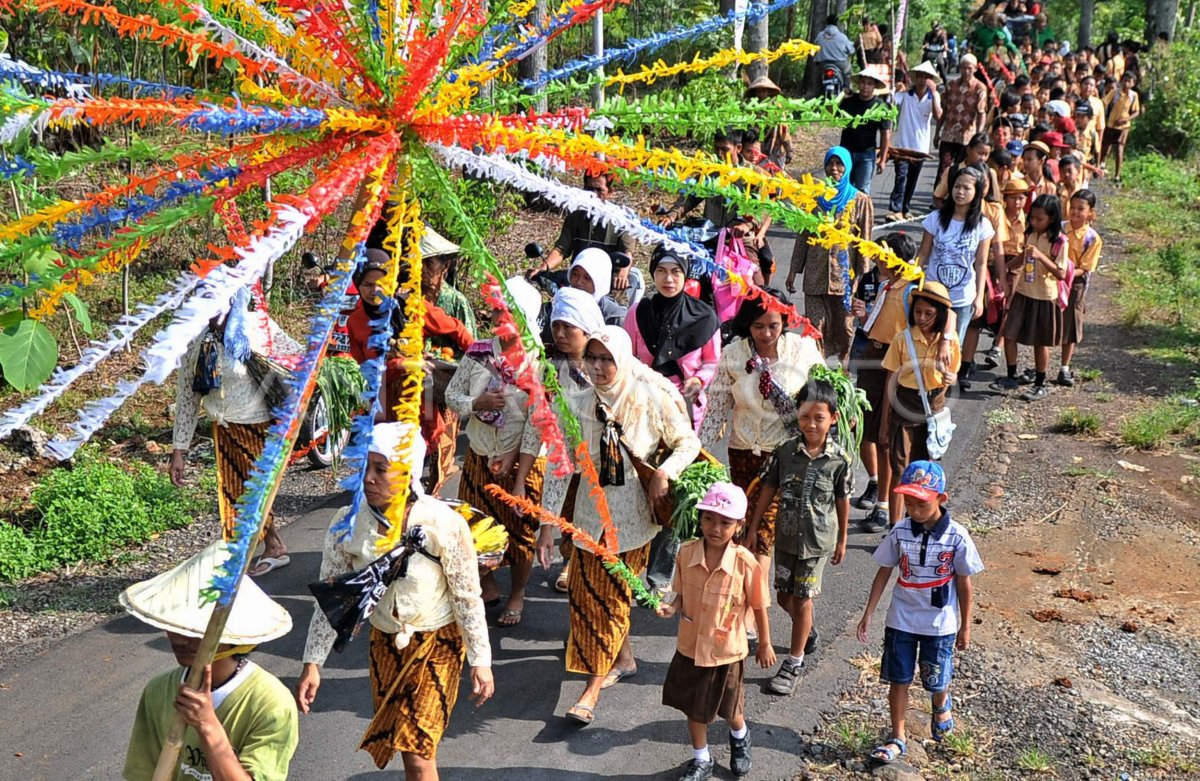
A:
386, 439
578, 308
598, 266
528, 299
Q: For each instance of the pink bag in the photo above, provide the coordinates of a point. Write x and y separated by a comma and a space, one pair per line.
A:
727, 294
1064, 284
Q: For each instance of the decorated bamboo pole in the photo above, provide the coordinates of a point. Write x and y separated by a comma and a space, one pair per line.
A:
166, 768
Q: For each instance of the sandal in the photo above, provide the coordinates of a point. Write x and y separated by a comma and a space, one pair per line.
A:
266, 564
560, 585
581, 713
615, 676
940, 729
509, 618
885, 754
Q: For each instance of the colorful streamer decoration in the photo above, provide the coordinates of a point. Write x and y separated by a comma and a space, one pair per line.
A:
338, 103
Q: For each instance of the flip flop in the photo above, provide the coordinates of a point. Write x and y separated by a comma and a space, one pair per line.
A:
581, 713
506, 618
271, 563
615, 676
560, 585
491, 603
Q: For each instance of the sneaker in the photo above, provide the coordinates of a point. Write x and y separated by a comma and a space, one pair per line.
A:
869, 496
874, 523
1028, 377
698, 771
810, 645
1065, 378
964, 382
785, 680
739, 755
1005, 384
991, 359
1036, 393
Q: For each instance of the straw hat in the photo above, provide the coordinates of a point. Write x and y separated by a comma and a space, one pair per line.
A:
433, 244
878, 74
935, 292
1039, 146
763, 82
927, 69
171, 601
1016, 186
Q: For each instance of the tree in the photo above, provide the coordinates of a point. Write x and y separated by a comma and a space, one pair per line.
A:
1160, 18
535, 64
1087, 13
757, 41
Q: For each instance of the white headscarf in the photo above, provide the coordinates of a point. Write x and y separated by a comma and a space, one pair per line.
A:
598, 266
528, 299
386, 440
634, 384
576, 307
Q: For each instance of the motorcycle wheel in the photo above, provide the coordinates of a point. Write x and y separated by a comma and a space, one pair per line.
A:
316, 426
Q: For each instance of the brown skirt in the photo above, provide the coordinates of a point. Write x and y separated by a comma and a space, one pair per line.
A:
908, 438
872, 380
414, 690
600, 605
745, 471
237, 447
522, 530
1076, 308
704, 693
1034, 322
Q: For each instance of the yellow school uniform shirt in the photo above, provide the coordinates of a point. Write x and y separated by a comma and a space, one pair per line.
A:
891, 319
1097, 104
1015, 244
1044, 286
898, 360
1087, 143
1083, 247
1121, 108
994, 211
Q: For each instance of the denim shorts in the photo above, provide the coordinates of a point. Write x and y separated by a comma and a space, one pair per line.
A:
901, 656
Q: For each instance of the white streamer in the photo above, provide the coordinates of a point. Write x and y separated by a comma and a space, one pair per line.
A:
15, 125
500, 169
118, 338
211, 300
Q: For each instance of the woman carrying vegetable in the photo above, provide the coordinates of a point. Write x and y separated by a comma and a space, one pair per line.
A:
752, 399
625, 417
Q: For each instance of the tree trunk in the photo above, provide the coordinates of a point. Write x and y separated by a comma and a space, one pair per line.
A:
817, 12
535, 64
1087, 12
1190, 18
1160, 18
757, 41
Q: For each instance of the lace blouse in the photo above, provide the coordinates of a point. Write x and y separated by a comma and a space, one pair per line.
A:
469, 381
432, 595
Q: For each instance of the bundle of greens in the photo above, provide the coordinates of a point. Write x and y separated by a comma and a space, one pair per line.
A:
691, 486
852, 404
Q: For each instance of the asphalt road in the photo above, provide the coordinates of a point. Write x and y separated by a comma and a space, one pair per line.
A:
67, 711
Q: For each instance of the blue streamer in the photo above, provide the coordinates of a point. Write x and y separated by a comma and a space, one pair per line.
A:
637, 46
231, 121
24, 73
268, 468
71, 234
373, 16
16, 166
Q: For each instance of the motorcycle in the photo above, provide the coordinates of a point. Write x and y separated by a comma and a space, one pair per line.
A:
936, 54
314, 440
832, 84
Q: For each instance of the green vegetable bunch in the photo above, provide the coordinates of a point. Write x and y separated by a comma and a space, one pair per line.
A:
852, 405
691, 486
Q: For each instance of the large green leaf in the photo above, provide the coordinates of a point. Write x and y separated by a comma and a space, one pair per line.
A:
38, 262
28, 355
80, 310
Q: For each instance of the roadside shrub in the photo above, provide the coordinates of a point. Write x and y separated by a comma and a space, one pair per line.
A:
1170, 122
1072, 420
86, 512
1175, 419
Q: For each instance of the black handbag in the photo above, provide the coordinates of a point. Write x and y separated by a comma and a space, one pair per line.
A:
207, 377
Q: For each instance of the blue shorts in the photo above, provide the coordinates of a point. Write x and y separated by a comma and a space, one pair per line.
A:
900, 657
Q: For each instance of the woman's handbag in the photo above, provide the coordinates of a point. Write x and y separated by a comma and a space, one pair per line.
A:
646, 470
207, 377
941, 427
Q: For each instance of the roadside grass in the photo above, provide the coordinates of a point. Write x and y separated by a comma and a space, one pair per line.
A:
966, 743
1073, 420
1001, 416
853, 735
1034, 760
1088, 374
1162, 756
1172, 421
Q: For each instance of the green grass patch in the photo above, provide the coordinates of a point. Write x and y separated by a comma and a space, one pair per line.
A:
1172, 421
1000, 416
853, 735
964, 744
1073, 420
1034, 760
1087, 374
1163, 756
1103, 398
87, 512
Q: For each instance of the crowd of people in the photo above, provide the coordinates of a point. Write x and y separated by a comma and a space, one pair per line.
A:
1008, 249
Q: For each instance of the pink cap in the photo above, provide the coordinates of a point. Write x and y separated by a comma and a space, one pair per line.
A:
724, 499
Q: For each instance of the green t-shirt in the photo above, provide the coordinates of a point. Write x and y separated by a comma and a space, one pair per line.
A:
259, 716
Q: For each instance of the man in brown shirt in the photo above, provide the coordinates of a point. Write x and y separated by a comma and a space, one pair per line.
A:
964, 112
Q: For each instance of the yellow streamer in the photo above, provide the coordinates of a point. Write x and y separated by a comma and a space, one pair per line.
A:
726, 58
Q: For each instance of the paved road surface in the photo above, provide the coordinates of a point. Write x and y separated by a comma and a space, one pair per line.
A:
67, 712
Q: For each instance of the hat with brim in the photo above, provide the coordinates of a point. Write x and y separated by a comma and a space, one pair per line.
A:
763, 82
877, 74
1039, 146
933, 291
1053, 140
924, 480
1059, 107
172, 601
435, 245
926, 69
1016, 186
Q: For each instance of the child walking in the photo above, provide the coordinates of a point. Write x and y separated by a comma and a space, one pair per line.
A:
1083, 249
811, 473
930, 612
706, 674
1035, 317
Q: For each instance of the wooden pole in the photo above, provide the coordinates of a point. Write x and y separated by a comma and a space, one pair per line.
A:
168, 760
598, 50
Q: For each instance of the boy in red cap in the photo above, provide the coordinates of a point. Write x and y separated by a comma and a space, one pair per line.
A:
930, 612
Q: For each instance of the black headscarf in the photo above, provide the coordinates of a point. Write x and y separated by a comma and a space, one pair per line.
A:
674, 327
